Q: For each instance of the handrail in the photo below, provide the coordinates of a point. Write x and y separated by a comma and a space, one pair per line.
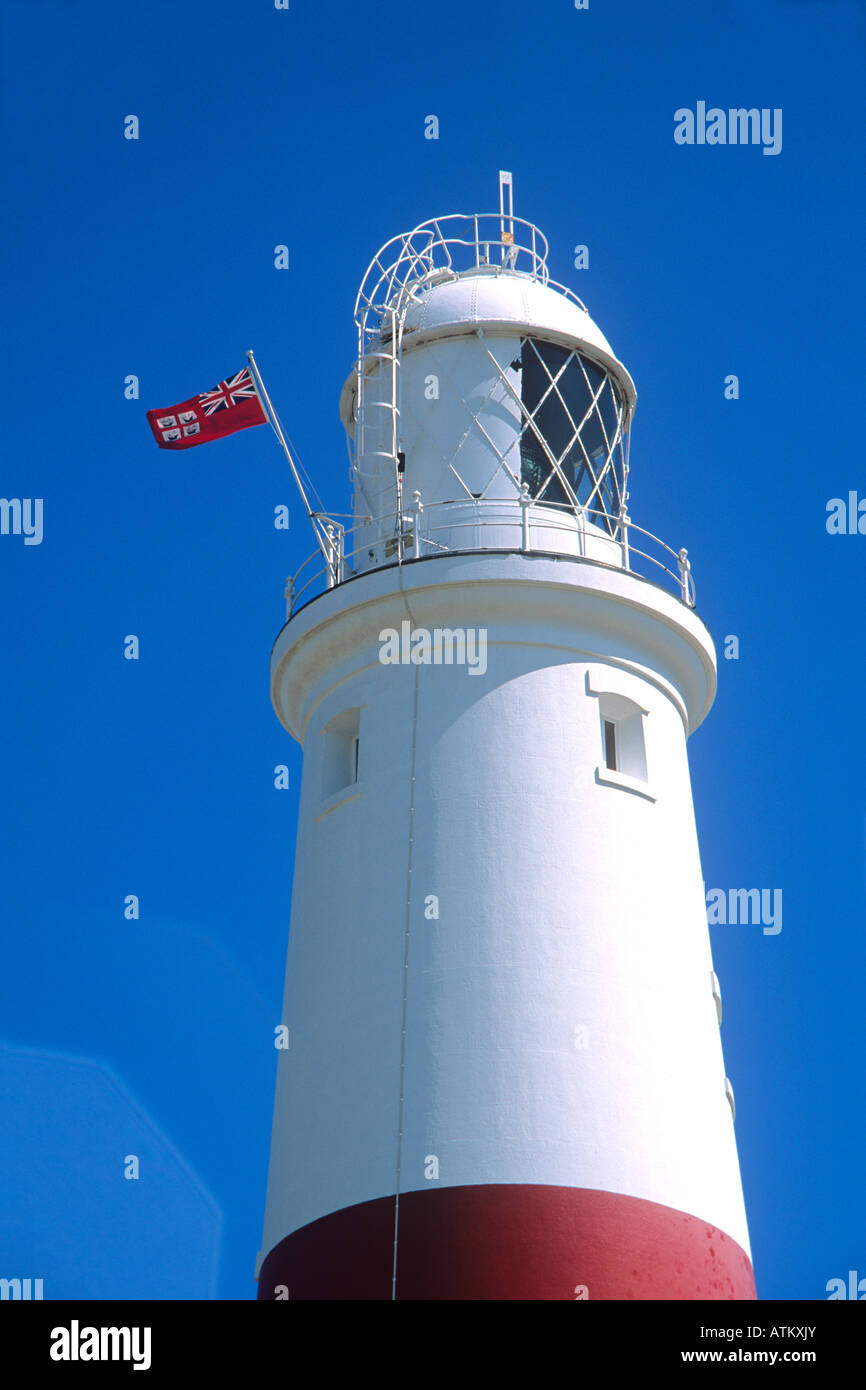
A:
416, 535
405, 262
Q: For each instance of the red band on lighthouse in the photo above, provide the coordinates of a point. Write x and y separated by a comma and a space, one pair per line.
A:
509, 1242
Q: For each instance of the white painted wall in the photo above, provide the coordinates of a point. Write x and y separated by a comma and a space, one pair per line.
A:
565, 902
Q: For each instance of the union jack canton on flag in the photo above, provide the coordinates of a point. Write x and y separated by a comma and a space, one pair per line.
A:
232, 405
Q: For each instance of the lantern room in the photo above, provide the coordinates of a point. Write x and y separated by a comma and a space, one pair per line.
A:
486, 410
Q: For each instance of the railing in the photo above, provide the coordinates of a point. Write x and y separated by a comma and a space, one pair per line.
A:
446, 247
417, 539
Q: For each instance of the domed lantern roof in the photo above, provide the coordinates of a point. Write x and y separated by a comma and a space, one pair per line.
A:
458, 273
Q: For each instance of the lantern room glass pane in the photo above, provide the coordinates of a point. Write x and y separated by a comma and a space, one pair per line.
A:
572, 404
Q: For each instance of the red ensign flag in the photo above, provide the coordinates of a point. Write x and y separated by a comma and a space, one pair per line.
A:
232, 405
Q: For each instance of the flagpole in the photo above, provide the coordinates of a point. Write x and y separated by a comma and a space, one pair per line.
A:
326, 543
267, 407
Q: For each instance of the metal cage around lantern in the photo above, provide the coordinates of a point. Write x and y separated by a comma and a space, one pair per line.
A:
574, 411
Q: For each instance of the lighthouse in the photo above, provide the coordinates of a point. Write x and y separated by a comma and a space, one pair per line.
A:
503, 1076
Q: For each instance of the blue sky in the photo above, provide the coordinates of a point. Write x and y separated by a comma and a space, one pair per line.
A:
155, 257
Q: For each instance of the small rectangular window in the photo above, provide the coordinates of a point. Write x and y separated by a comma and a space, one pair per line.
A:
621, 728
610, 743
341, 740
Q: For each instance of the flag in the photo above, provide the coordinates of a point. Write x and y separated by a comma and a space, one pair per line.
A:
232, 405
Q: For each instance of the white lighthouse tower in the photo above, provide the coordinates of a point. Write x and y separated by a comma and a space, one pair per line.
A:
504, 1076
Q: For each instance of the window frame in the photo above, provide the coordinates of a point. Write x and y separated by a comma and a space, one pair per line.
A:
615, 692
